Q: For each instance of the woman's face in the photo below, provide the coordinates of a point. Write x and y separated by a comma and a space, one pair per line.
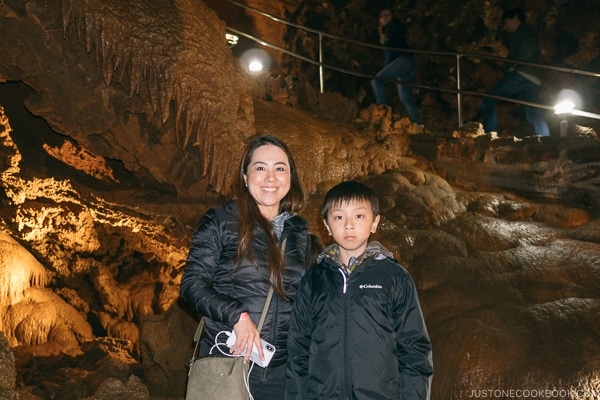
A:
268, 178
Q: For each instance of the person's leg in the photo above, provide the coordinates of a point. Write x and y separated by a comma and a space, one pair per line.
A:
392, 71
490, 114
509, 86
378, 87
267, 383
406, 67
534, 115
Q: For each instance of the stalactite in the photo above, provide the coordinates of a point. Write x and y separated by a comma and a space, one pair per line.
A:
122, 60
107, 60
89, 27
207, 155
153, 89
166, 93
135, 70
178, 89
190, 123
158, 46
66, 7
209, 158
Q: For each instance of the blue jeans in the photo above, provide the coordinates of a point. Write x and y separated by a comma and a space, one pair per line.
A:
403, 69
517, 86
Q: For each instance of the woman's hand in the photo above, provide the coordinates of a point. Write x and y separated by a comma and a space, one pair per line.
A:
246, 336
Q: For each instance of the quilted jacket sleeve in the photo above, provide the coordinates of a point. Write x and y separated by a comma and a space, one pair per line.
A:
299, 339
414, 347
200, 270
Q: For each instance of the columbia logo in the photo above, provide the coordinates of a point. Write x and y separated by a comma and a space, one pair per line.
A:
370, 286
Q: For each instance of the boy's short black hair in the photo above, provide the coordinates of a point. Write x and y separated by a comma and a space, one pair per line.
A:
510, 14
349, 191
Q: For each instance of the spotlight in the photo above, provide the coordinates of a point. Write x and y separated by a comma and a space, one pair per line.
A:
564, 107
567, 95
567, 101
255, 66
256, 60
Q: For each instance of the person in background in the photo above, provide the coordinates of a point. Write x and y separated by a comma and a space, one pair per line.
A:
398, 65
235, 256
520, 81
557, 44
357, 330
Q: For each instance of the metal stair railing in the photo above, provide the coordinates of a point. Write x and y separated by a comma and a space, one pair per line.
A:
458, 91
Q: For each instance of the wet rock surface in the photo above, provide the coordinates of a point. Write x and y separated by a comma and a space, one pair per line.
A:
509, 285
97, 208
8, 372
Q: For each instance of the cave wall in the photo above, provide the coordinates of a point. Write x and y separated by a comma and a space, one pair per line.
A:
115, 84
96, 219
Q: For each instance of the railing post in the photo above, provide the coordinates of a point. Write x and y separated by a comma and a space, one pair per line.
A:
458, 56
458, 95
321, 63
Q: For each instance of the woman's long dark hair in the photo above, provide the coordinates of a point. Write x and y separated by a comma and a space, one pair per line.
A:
250, 214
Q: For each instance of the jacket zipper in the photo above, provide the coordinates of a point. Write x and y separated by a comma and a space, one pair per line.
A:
345, 278
346, 379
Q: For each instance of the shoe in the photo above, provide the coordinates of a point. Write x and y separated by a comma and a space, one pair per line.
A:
417, 128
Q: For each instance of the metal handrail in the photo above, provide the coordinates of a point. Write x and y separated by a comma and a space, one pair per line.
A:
458, 91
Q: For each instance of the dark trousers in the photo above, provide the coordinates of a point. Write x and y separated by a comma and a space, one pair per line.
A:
517, 86
267, 383
403, 69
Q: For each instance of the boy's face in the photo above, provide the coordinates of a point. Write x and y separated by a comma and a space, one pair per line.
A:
350, 224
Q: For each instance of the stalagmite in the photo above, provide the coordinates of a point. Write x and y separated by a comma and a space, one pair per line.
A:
19, 270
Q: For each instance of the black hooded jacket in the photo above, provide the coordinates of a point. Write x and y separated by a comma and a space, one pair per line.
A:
358, 336
394, 35
221, 290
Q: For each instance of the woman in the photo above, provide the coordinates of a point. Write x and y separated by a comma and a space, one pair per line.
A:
235, 257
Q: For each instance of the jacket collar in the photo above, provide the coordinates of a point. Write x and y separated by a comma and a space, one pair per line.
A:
375, 250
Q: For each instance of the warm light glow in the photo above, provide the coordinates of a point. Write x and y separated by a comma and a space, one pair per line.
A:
564, 107
567, 101
256, 60
255, 66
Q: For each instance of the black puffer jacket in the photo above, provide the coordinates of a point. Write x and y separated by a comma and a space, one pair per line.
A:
221, 290
360, 336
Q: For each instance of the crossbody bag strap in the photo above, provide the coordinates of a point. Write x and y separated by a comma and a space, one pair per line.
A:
263, 315
197, 340
265, 309
270, 295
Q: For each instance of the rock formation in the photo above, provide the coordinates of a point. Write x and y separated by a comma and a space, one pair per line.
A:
135, 64
122, 123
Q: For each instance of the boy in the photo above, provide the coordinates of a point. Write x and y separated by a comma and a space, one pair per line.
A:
357, 331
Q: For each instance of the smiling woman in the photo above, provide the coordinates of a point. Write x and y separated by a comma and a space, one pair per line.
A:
268, 179
236, 256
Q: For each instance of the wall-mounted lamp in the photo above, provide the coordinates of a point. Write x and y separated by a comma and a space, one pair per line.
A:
564, 109
232, 39
566, 103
